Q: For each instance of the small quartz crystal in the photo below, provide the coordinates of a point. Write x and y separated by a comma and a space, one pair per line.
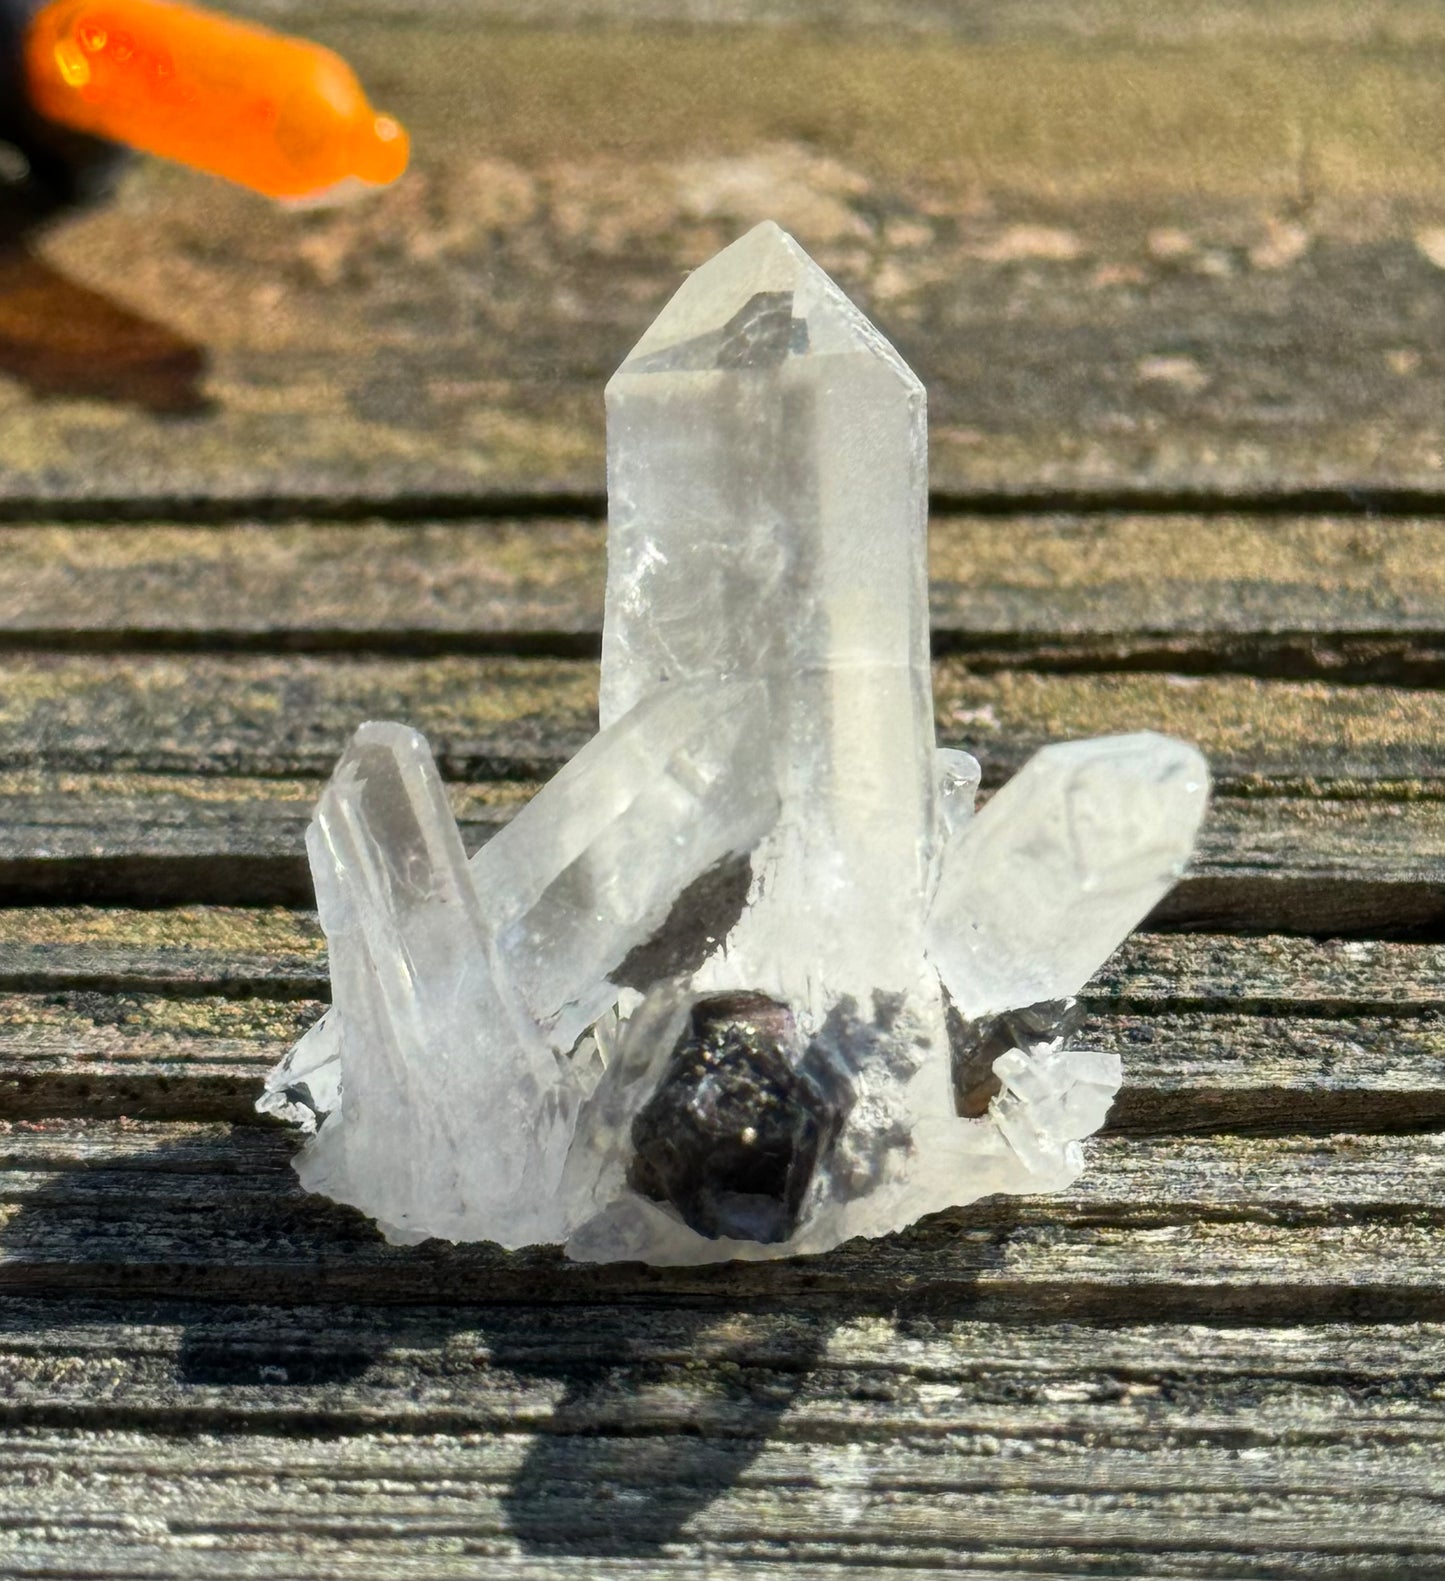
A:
750, 976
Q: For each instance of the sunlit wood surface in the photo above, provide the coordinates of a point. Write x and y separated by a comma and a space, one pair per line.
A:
1175, 278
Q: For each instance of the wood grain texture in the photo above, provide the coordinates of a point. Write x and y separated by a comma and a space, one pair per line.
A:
509, 717
1172, 276
1199, 263
909, 1403
1346, 598
1352, 864
1044, 1450
190, 777
277, 953
179, 1015
142, 1055
1193, 1229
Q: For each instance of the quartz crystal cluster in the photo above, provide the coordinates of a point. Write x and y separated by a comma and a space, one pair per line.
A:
750, 975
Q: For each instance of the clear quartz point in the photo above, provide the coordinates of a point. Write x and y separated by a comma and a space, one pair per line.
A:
592, 866
432, 1052
1037, 890
449, 1007
751, 975
767, 516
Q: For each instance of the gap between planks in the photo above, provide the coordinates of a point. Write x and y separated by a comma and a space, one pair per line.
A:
340, 506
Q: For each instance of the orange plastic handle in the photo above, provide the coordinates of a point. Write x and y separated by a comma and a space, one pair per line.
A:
280, 115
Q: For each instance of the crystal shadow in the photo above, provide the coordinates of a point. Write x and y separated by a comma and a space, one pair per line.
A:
295, 1349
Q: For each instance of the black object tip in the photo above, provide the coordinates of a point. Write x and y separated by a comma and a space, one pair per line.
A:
44, 168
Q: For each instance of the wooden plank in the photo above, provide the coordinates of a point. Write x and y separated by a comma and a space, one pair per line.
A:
306, 585
451, 1524
129, 1053
214, 951
1129, 269
1270, 863
417, 1369
1337, 597
160, 1015
465, 1423
502, 717
1178, 1229
189, 778
199, 951
155, 839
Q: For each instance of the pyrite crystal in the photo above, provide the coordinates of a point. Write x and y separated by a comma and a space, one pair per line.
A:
749, 976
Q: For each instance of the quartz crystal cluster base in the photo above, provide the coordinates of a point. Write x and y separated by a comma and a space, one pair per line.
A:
750, 975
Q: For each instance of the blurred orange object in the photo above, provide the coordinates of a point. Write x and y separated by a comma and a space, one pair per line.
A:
280, 115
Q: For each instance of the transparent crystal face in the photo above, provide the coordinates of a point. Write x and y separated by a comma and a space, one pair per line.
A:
750, 976
767, 495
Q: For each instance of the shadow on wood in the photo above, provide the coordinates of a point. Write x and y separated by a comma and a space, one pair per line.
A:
630, 1493
641, 1437
59, 338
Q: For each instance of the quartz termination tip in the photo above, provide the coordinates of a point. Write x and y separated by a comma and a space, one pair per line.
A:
750, 976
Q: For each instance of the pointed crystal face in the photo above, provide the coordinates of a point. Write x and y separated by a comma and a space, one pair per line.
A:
764, 288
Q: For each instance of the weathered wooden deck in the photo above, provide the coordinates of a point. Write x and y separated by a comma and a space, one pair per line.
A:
1175, 278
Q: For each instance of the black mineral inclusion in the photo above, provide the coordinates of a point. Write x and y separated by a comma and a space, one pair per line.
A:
975, 1045
738, 1124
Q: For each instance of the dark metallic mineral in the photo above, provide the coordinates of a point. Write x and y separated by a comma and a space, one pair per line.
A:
975, 1045
738, 1124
